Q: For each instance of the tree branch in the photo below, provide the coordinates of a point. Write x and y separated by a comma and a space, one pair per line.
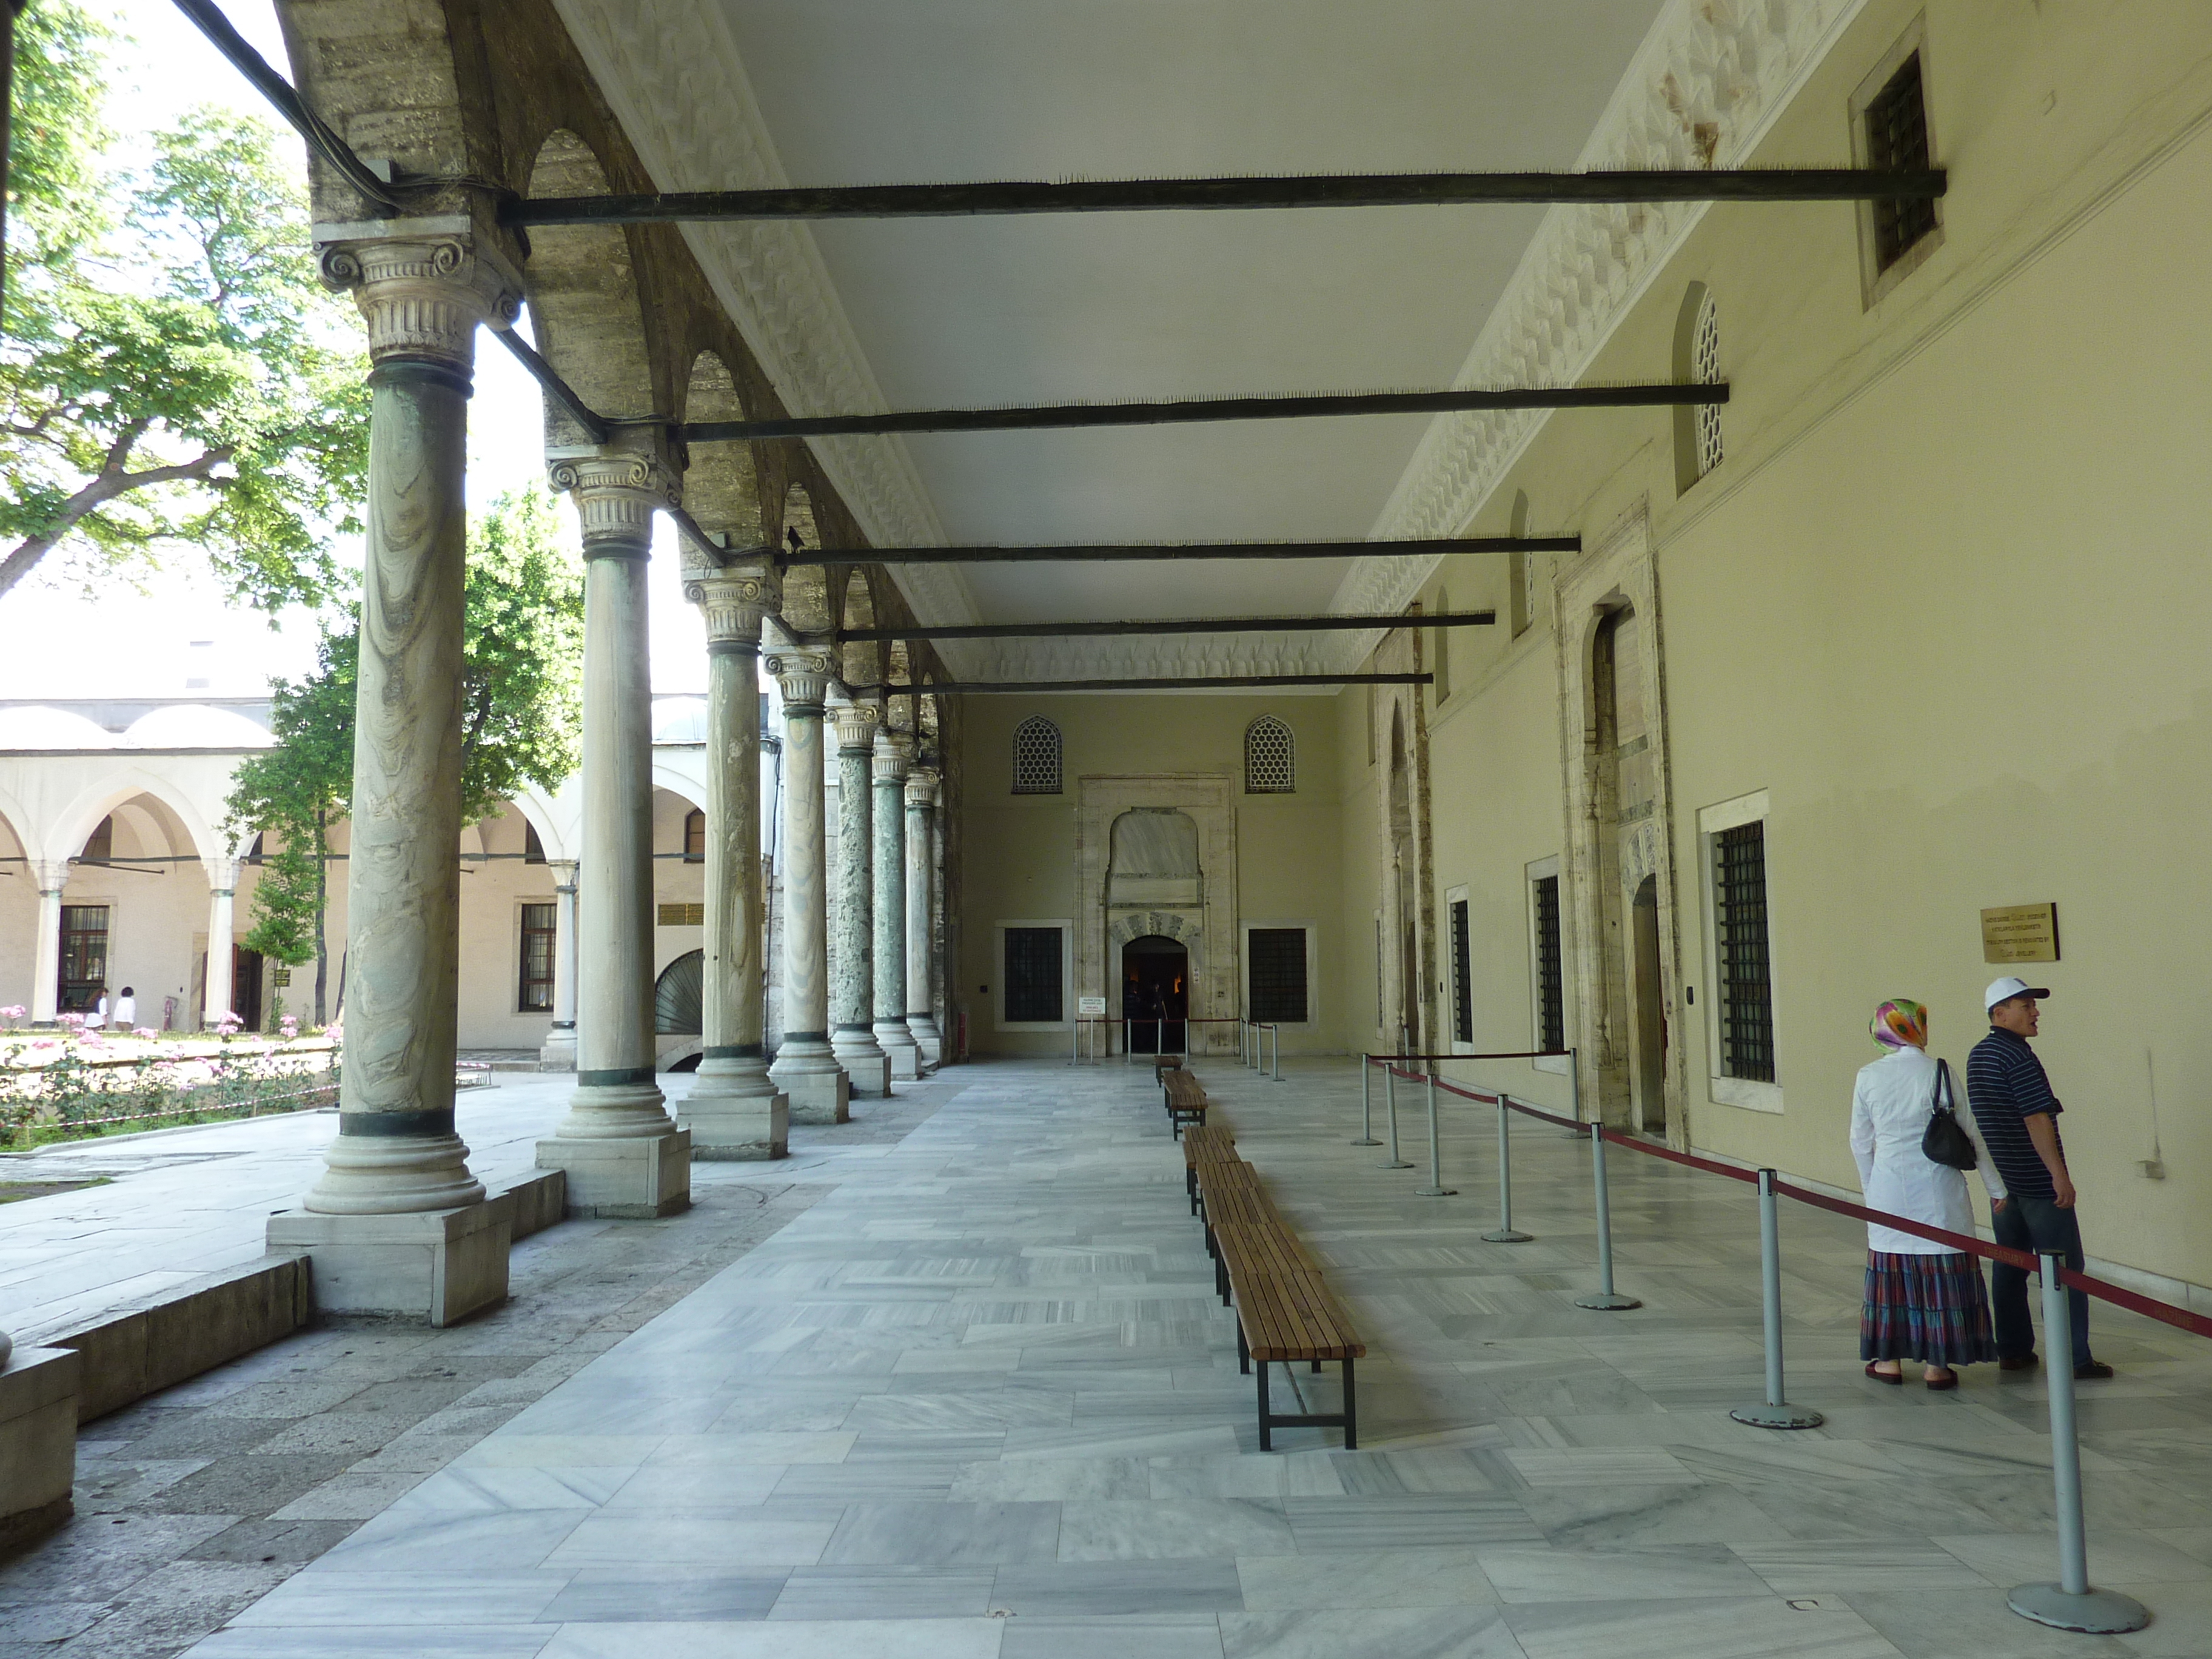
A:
111, 482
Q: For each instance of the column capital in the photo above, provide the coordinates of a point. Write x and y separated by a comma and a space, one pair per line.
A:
617, 490
894, 754
51, 874
424, 291
856, 723
222, 874
733, 600
803, 673
564, 874
921, 786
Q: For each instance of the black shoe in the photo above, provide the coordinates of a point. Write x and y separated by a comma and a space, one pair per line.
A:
2018, 1362
2092, 1371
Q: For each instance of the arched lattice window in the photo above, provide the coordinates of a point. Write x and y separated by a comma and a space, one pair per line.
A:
1706, 369
1036, 757
1270, 758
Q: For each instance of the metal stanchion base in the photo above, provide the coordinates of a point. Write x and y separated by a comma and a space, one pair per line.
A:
1395, 1164
1610, 1303
1783, 1416
2092, 1613
1506, 1236
1437, 1192
1367, 1141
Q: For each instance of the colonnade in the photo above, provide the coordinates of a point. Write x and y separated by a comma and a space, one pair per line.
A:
397, 1222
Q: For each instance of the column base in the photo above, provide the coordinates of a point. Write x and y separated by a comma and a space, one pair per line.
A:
627, 1177
732, 1115
866, 1067
39, 1391
898, 1042
440, 1265
807, 1072
928, 1039
558, 1052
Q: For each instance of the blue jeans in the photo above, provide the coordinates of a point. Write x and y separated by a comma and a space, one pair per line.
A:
2034, 1223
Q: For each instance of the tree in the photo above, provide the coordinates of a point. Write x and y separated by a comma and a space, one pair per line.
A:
521, 669
172, 372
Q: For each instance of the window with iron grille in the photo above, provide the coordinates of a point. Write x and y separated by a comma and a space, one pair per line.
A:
1462, 996
1036, 759
1033, 981
539, 926
1270, 758
694, 837
1551, 979
1897, 141
1275, 960
1747, 999
1706, 369
84, 956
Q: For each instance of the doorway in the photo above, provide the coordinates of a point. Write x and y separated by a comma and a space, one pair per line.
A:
245, 987
1156, 994
1648, 1070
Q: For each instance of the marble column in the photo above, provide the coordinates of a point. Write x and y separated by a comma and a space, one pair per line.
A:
622, 1153
920, 1020
734, 1111
852, 1037
222, 935
397, 1223
53, 875
558, 1053
807, 1068
894, 752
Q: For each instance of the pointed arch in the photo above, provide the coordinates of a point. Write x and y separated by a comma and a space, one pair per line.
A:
861, 662
806, 586
721, 484
582, 285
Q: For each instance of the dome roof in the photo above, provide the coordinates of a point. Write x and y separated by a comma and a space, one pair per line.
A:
52, 728
195, 725
679, 720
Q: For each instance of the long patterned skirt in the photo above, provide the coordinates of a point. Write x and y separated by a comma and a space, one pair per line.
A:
1934, 1309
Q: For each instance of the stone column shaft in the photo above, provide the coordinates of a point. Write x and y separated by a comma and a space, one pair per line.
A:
558, 1053
734, 1111
894, 750
920, 800
52, 875
852, 1035
806, 1066
222, 937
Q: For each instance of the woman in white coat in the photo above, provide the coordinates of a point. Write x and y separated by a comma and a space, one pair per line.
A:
1924, 1301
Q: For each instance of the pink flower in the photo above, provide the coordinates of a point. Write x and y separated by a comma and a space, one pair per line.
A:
15, 1012
146, 1031
75, 1022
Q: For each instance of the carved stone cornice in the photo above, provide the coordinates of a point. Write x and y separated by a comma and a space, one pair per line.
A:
732, 601
421, 297
616, 492
803, 675
856, 723
922, 788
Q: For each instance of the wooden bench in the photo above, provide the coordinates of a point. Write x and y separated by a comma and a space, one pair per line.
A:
1202, 1146
1186, 1099
1285, 1313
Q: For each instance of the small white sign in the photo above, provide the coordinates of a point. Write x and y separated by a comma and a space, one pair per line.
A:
1090, 1008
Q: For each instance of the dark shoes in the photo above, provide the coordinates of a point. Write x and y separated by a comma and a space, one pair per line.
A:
2092, 1371
1950, 1379
1896, 1376
2018, 1362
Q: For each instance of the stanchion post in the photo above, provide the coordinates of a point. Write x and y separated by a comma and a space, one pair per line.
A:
1436, 1188
1275, 1048
1390, 1111
1774, 1412
2069, 1604
1606, 1300
1574, 1091
1367, 1102
1506, 1233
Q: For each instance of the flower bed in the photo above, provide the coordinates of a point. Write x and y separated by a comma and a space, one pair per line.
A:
76, 1084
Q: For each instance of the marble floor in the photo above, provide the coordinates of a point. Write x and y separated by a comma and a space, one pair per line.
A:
979, 1403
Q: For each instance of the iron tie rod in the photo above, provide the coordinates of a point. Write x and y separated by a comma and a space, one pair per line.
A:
1183, 625
1111, 552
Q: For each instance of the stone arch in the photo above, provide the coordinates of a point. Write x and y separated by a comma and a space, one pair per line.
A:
582, 284
898, 670
65, 835
721, 483
859, 661
537, 809
17, 823
1167, 924
806, 586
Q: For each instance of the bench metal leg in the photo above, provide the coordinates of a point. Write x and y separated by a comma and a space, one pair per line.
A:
1267, 1423
1244, 1354
1350, 1412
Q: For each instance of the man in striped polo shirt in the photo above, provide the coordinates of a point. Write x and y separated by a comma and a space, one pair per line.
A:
2011, 1097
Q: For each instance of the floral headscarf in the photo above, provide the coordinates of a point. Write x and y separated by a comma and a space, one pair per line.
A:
1901, 1025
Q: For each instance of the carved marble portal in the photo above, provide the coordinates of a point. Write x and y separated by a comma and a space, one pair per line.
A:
1157, 853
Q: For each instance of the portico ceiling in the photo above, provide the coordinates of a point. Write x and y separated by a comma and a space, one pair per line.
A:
907, 313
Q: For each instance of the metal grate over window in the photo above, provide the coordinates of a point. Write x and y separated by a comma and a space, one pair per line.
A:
538, 924
1270, 758
1462, 997
1276, 959
1746, 1005
1705, 369
1036, 758
1551, 980
1033, 983
1897, 141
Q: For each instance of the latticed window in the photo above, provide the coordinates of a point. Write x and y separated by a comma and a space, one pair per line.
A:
1746, 1001
1462, 997
1551, 977
1270, 758
1036, 760
539, 926
1897, 141
1276, 960
1706, 369
1033, 980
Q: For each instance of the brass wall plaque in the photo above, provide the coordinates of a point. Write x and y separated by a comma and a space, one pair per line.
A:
2020, 932
682, 915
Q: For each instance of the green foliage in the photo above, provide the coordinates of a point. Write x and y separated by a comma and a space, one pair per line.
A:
290, 794
173, 373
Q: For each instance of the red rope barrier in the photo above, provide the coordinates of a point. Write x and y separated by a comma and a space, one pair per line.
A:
1673, 1157
1513, 1054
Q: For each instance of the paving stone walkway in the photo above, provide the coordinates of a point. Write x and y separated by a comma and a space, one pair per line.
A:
978, 1402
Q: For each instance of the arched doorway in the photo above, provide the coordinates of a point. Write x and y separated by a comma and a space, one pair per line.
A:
1156, 994
677, 994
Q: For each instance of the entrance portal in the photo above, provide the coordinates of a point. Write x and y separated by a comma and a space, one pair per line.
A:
1156, 994
1650, 1038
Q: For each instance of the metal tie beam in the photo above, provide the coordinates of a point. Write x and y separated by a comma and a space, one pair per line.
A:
1199, 683
1114, 552
1152, 195
1181, 625
1176, 411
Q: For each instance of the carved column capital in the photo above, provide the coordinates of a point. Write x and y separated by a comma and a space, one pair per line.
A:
422, 295
733, 600
921, 787
616, 493
856, 723
564, 874
804, 675
894, 754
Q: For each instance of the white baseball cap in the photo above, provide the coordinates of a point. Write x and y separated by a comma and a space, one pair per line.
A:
2003, 990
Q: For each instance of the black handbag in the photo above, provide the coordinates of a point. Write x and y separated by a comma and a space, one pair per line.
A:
1945, 1142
